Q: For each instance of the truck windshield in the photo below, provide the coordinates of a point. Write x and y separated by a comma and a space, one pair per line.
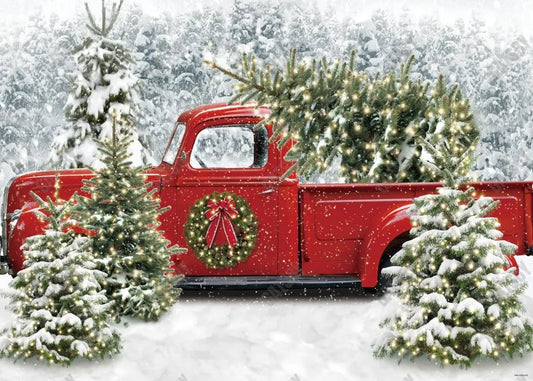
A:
174, 143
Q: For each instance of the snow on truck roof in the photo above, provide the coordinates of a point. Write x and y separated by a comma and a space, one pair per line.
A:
223, 110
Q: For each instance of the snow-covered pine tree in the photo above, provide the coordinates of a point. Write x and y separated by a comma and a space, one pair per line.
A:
329, 110
158, 105
104, 81
256, 28
61, 310
298, 28
457, 299
123, 214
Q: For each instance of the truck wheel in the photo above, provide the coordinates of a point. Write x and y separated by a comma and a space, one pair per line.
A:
384, 282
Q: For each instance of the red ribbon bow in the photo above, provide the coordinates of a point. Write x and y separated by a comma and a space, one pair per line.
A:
221, 212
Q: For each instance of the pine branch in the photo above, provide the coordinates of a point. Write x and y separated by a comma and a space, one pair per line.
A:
106, 26
233, 75
92, 24
104, 31
114, 14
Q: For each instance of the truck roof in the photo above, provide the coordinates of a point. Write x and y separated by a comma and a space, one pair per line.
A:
223, 110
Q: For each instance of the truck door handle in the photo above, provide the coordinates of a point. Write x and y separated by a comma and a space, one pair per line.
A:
267, 191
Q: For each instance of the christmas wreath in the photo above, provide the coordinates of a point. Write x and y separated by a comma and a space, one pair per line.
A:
221, 230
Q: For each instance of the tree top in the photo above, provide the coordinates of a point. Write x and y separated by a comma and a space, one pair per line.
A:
106, 23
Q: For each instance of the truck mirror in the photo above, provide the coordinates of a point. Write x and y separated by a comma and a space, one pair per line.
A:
183, 156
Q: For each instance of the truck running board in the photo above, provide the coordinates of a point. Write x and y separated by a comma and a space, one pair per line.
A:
266, 282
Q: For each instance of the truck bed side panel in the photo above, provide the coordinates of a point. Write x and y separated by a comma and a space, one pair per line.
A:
335, 219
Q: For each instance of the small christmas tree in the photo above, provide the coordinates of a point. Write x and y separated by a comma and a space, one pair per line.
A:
123, 214
457, 299
61, 311
331, 111
104, 82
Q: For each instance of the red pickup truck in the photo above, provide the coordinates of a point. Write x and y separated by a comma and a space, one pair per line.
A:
218, 165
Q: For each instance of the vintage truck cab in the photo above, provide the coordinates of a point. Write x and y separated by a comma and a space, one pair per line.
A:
224, 184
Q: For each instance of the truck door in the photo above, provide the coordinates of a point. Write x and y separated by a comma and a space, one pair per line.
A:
228, 177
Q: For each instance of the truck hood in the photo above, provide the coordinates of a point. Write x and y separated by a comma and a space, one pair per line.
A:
17, 193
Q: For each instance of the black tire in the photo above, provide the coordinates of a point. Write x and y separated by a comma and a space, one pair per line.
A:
384, 282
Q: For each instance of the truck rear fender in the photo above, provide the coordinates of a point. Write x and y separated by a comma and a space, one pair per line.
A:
380, 236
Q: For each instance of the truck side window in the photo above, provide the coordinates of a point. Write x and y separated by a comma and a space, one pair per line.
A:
238, 146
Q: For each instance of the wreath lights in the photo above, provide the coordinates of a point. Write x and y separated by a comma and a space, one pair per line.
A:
221, 230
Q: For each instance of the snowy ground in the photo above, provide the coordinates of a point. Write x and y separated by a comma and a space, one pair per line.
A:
295, 338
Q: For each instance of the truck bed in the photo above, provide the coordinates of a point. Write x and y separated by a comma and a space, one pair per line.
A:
344, 226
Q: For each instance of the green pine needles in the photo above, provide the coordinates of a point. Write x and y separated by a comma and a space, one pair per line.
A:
61, 310
330, 110
123, 214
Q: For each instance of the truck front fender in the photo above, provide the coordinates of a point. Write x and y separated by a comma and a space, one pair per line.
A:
25, 226
380, 235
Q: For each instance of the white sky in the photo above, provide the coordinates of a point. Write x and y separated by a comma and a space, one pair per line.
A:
513, 13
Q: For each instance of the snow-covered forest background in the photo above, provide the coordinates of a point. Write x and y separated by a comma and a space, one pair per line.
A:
491, 62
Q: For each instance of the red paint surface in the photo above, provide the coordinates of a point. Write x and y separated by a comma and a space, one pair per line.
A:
304, 229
